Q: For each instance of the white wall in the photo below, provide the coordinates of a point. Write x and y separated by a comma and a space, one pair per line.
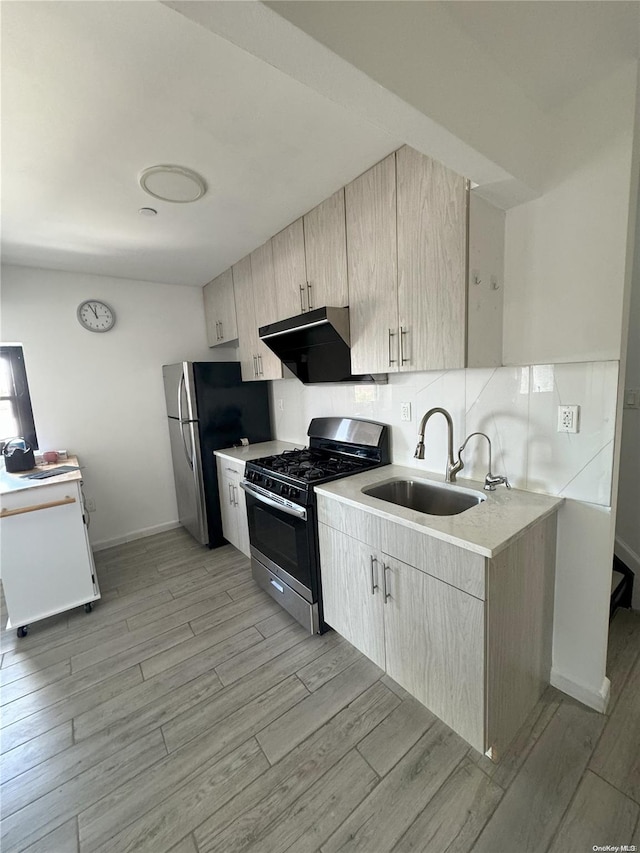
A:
101, 395
565, 253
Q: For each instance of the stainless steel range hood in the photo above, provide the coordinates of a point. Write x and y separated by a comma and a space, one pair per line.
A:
315, 346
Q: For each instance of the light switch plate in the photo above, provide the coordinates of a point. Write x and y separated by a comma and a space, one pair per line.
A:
568, 418
632, 398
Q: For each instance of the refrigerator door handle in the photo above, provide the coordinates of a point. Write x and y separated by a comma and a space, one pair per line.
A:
184, 444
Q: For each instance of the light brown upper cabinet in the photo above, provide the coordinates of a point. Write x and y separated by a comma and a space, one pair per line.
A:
269, 365
290, 270
432, 263
411, 305
220, 310
246, 314
325, 245
310, 260
372, 265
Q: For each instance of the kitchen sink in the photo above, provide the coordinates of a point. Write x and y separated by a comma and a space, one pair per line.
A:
429, 498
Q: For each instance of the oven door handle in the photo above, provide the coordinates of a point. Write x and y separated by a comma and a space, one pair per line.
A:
297, 511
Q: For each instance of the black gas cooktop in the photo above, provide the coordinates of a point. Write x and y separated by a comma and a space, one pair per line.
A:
309, 465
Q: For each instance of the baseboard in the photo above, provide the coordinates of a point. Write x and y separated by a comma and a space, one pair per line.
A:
135, 534
596, 699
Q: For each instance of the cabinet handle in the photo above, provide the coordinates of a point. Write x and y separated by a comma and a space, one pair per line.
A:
230, 494
235, 496
385, 591
255, 366
217, 331
392, 335
374, 585
403, 332
302, 308
261, 371
309, 305
5, 513
221, 332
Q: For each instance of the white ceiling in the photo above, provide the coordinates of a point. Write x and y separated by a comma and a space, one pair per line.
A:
92, 93
552, 50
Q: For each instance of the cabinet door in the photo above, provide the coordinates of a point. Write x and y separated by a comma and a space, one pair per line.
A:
266, 309
220, 309
325, 243
245, 312
290, 271
432, 261
227, 504
242, 521
434, 637
372, 264
351, 591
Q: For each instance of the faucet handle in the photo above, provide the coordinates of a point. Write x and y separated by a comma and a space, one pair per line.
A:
491, 481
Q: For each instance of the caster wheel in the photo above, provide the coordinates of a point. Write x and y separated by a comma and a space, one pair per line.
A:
22, 631
88, 607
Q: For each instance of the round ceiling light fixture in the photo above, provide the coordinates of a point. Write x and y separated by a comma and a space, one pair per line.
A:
148, 211
172, 183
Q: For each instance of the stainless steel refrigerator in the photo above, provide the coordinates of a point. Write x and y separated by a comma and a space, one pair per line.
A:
209, 407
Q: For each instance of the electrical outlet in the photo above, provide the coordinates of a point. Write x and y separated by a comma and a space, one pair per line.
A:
90, 505
568, 418
405, 411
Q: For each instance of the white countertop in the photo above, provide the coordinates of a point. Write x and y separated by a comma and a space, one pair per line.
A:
485, 529
16, 483
255, 451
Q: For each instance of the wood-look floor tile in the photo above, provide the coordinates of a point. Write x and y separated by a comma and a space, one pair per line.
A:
192, 605
190, 804
617, 757
311, 819
187, 845
280, 786
317, 673
395, 736
217, 617
34, 681
19, 664
54, 715
598, 815
131, 800
455, 816
622, 652
77, 682
199, 718
381, 820
48, 812
504, 771
264, 651
293, 727
32, 753
270, 626
534, 804
64, 839
226, 631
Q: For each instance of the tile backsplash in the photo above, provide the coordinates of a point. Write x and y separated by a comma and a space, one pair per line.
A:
515, 406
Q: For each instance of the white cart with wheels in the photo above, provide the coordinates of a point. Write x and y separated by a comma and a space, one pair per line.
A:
47, 562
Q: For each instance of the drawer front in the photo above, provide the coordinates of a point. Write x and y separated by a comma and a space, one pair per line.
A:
228, 468
462, 569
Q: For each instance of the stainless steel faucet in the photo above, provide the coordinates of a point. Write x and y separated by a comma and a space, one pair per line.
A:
491, 480
452, 467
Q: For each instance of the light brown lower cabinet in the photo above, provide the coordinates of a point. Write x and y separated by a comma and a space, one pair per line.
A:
479, 663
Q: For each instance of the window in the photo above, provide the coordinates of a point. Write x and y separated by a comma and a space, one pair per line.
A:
16, 415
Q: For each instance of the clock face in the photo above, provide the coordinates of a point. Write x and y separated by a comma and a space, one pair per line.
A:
96, 316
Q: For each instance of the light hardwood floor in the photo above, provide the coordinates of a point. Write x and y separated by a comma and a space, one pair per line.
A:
189, 713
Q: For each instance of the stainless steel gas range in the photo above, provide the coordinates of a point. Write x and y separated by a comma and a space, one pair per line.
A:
281, 508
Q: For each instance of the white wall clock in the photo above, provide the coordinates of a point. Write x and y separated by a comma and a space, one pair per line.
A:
96, 316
